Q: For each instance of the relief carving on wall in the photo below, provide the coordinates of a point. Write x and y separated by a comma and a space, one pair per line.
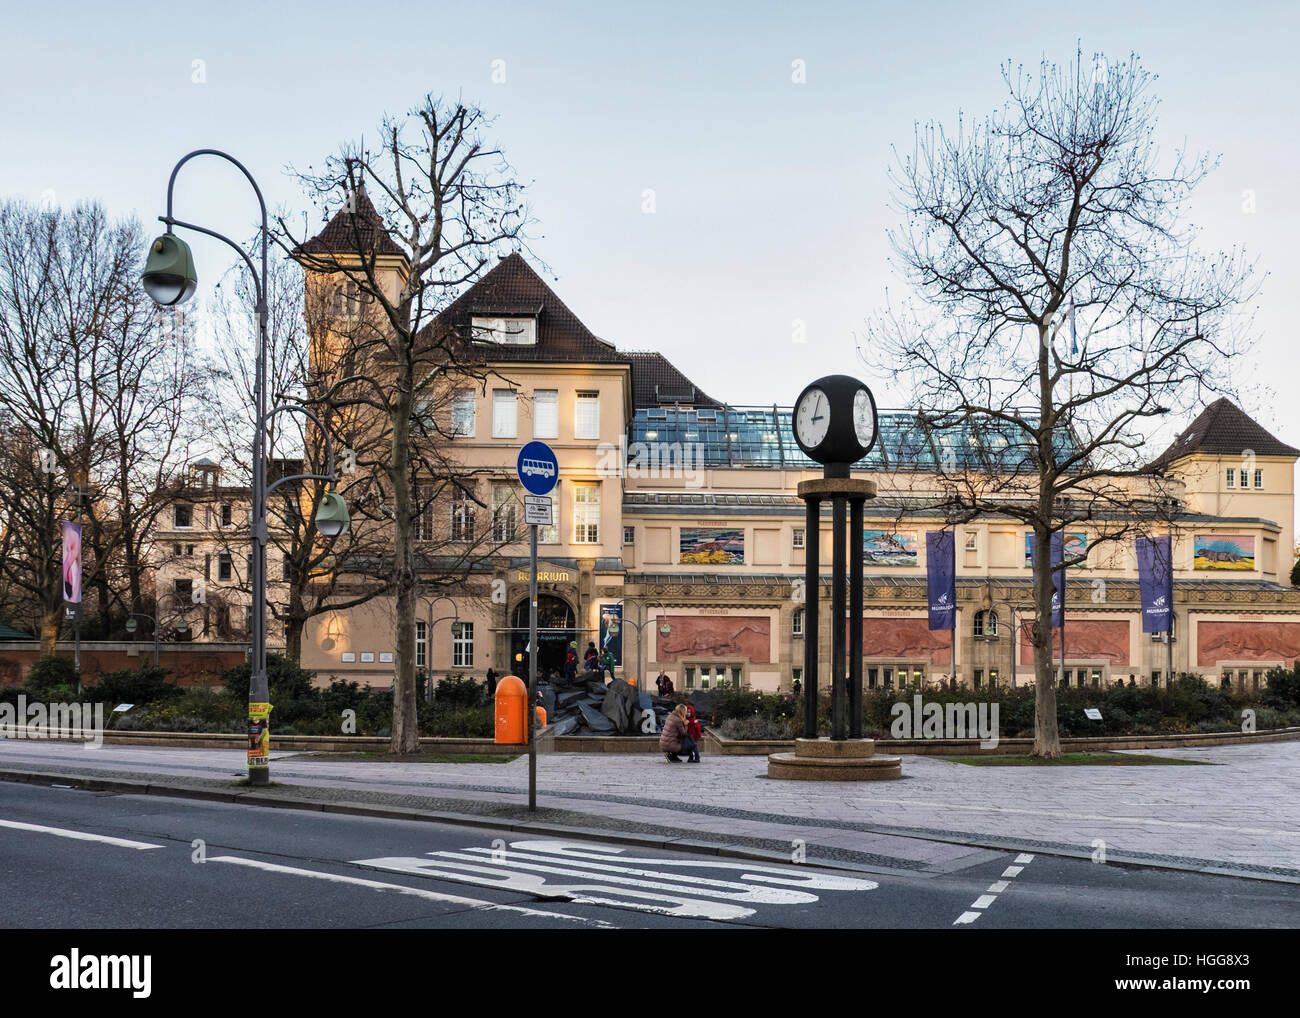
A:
910, 638
1086, 638
1247, 641
744, 636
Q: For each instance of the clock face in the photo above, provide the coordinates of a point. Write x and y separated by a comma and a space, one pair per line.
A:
864, 418
812, 418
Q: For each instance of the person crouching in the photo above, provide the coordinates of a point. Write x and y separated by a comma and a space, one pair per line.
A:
676, 739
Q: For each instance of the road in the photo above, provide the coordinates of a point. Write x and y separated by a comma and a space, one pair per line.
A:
85, 860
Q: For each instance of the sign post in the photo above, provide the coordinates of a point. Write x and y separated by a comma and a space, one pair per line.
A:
538, 471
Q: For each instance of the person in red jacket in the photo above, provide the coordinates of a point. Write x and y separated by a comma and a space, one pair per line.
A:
695, 732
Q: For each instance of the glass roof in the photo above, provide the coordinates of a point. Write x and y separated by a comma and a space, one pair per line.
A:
763, 437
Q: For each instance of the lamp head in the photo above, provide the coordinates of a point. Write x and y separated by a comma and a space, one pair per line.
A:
169, 276
182, 626
132, 625
665, 630
332, 517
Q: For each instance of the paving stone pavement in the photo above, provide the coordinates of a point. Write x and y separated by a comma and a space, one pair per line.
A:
1241, 814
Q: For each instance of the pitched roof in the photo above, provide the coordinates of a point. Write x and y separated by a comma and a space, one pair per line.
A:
1222, 429
656, 381
352, 229
512, 288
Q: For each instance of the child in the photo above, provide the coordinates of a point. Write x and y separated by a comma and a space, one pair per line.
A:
695, 732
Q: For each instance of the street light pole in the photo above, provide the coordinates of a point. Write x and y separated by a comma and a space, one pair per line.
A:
170, 279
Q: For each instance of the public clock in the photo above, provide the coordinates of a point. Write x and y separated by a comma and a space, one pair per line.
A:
835, 420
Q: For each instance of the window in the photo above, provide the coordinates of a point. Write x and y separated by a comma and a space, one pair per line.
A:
796, 625
462, 518
422, 524
1231, 472
462, 645
993, 678
1155, 678
421, 644
286, 568
979, 678
227, 514
972, 540
223, 567
1259, 478
183, 590
546, 413
462, 415
348, 298
690, 678
629, 535
505, 514
986, 624
182, 516
1173, 631
504, 331
176, 551
586, 415
796, 537
586, 514
505, 414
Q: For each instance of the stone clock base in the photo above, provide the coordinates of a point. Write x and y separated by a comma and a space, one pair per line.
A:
828, 760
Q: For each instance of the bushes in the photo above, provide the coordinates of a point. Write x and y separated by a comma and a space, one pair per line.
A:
286, 679
458, 691
758, 727
52, 678
146, 684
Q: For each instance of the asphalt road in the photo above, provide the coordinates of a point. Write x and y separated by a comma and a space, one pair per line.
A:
72, 859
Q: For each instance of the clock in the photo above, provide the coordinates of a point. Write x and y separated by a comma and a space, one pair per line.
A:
835, 420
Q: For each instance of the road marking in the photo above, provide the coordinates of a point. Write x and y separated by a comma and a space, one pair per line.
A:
1024, 858
450, 899
967, 917
984, 901
59, 832
999, 887
594, 876
1012, 871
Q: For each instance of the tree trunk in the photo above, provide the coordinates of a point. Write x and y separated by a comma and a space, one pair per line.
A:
1047, 738
406, 729
50, 621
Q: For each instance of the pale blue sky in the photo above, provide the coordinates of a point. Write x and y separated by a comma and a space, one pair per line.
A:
771, 197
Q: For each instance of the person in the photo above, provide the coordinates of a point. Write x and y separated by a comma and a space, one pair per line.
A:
676, 739
491, 683
664, 683
695, 732
607, 663
590, 657
571, 661
796, 687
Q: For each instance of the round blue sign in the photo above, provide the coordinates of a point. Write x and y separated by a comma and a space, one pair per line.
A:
538, 468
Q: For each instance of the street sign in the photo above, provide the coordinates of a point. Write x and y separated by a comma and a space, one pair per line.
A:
537, 509
538, 468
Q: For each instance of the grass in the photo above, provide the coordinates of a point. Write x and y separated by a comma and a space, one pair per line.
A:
1075, 760
457, 758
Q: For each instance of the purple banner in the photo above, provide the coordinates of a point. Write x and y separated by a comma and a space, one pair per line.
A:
1156, 580
941, 578
71, 562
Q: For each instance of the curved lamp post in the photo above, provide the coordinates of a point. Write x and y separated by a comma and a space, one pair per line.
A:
664, 630
182, 626
428, 637
170, 279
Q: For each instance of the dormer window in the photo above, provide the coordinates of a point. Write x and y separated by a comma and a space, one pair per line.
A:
505, 331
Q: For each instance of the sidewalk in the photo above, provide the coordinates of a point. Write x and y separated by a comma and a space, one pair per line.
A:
1240, 817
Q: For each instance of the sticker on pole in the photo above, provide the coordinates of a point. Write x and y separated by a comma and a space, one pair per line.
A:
538, 468
537, 510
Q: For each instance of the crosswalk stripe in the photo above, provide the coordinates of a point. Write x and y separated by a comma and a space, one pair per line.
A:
60, 832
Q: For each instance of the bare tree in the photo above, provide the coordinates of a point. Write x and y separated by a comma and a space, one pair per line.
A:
422, 219
1065, 310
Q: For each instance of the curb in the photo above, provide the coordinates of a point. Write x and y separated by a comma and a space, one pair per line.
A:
693, 843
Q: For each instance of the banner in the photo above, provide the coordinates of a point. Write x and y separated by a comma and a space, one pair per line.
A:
612, 643
71, 562
1058, 576
1156, 580
941, 578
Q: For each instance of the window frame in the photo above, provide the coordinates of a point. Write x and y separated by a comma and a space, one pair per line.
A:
798, 538
554, 430
499, 507
583, 510
499, 419
586, 398
462, 645
462, 401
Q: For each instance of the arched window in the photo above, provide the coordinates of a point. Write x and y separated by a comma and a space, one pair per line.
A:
986, 623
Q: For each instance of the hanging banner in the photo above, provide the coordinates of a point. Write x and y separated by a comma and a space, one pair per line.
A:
611, 642
941, 578
71, 562
1156, 580
1058, 576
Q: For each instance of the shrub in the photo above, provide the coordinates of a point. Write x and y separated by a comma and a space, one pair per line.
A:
459, 723
459, 691
146, 684
287, 680
48, 674
757, 727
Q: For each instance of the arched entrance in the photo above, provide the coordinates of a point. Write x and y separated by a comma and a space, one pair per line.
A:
555, 630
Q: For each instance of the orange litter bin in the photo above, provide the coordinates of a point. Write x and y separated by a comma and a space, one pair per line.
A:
511, 712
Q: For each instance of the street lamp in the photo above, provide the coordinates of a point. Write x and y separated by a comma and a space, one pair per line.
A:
428, 638
182, 626
664, 630
170, 279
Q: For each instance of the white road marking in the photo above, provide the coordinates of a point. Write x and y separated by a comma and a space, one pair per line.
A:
984, 901
1024, 857
1012, 871
999, 887
450, 899
59, 832
967, 917
598, 878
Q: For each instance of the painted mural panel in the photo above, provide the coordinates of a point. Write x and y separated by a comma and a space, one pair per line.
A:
1076, 547
717, 636
905, 638
889, 548
1084, 638
1224, 551
712, 546
1247, 641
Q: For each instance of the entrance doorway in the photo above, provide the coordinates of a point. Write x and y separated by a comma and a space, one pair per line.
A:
555, 630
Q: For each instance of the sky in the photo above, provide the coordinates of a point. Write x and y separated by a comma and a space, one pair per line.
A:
770, 195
